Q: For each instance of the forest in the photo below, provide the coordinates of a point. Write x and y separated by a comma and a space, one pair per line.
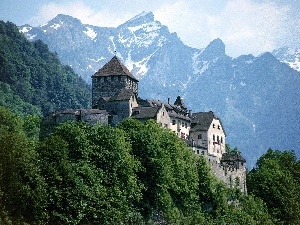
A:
134, 173
32, 79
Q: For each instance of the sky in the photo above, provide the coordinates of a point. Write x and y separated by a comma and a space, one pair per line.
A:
245, 26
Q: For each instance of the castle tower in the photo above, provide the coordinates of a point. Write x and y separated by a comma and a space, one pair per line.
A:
111, 79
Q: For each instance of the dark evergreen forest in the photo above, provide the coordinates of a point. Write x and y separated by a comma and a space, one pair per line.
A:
32, 79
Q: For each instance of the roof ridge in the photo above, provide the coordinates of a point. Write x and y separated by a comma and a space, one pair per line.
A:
114, 67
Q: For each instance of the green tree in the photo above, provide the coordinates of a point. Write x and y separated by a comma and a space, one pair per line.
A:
213, 194
22, 187
32, 78
90, 175
276, 181
168, 173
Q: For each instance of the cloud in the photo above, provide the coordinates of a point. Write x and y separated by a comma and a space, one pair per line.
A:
244, 25
79, 10
252, 27
48, 11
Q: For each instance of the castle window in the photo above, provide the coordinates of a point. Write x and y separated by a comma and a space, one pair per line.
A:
173, 122
202, 152
199, 136
163, 113
237, 181
214, 125
182, 135
222, 140
214, 137
198, 152
219, 127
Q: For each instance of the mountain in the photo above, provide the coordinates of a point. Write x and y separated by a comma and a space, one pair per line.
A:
289, 56
32, 79
256, 97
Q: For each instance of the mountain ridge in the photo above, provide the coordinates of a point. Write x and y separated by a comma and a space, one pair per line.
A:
243, 91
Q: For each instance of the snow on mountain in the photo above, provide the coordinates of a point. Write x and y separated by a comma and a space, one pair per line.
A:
256, 97
289, 56
90, 32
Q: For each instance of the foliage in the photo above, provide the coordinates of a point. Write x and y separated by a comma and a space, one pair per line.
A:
21, 184
133, 174
276, 181
168, 173
90, 175
32, 79
229, 149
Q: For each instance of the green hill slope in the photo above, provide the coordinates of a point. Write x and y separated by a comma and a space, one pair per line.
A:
32, 79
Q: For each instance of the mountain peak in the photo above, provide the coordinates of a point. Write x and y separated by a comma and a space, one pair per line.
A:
62, 18
142, 18
216, 48
217, 45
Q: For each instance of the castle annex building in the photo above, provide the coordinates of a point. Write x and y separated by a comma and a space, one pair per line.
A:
115, 97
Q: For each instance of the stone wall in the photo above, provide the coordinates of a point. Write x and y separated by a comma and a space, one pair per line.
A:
91, 116
108, 86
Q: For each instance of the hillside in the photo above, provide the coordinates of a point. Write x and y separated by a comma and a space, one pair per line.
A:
256, 97
33, 81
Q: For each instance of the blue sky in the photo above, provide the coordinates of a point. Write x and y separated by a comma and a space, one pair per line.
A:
245, 26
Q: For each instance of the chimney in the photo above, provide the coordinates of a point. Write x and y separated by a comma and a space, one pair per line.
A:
168, 100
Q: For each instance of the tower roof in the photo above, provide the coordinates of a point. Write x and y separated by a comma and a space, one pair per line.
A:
179, 102
114, 67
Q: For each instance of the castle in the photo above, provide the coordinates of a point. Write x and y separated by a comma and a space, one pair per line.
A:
115, 97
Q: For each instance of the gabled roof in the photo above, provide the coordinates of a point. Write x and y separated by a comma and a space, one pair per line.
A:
203, 120
114, 68
145, 112
232, 157
124, 94
173, 110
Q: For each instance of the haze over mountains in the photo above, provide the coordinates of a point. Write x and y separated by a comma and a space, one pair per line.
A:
255, 97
